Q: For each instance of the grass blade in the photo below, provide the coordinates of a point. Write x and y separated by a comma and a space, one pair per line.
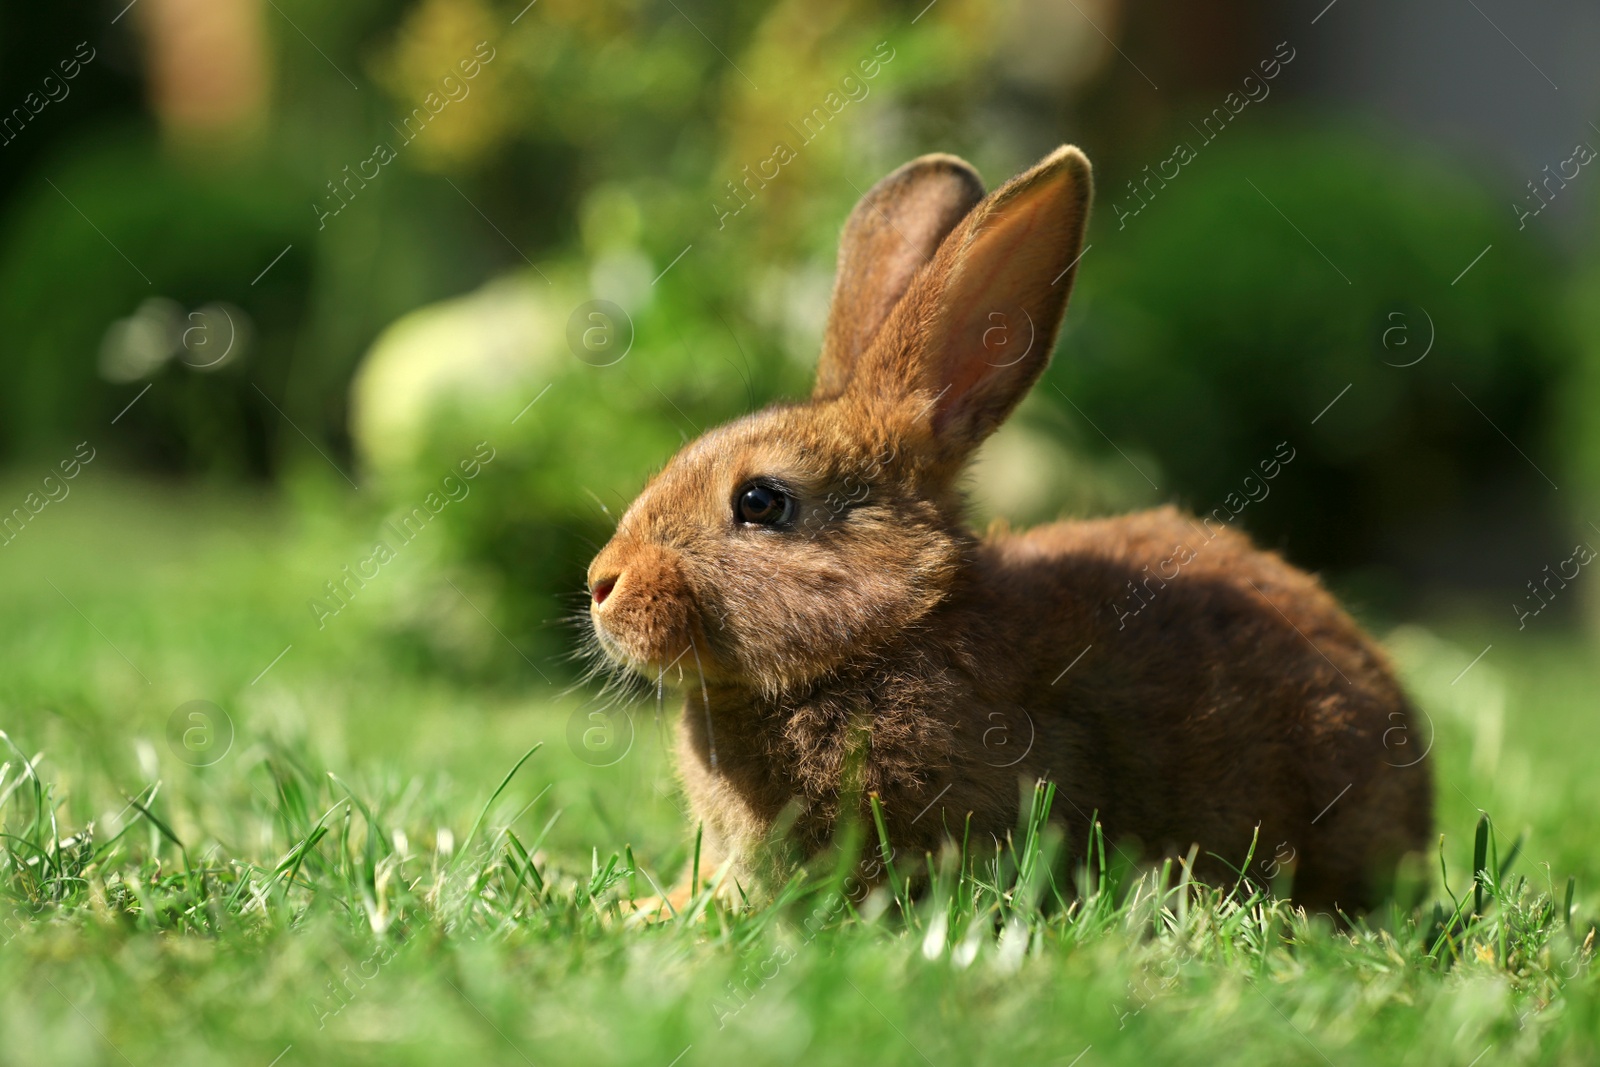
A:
1480, 862
490, 803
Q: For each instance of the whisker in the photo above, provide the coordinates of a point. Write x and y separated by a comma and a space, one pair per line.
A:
603, 508
618, 684
705, 701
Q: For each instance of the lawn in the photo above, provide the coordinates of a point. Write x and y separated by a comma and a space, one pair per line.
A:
334, 862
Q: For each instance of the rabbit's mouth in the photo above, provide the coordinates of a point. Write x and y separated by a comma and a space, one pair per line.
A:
650, 659
644, 616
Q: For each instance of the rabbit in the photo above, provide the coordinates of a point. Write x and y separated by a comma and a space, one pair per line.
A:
805, 574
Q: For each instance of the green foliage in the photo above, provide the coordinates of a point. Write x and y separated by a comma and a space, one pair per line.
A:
610, 150
194, 238
1281, 267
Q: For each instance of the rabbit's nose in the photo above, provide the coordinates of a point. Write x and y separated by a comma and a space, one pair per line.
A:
602, 589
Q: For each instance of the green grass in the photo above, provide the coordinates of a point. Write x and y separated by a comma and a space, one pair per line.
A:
359, 878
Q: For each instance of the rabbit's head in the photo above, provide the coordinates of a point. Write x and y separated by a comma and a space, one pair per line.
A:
779, 547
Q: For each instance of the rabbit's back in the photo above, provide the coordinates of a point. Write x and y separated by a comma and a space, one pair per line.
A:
1189, 687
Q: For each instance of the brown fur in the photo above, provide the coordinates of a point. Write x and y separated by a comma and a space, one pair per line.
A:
877, 644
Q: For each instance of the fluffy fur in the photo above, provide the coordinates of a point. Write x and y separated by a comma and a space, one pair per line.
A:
874, 644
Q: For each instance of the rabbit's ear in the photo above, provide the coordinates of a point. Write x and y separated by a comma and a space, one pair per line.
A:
893, 231
977, 327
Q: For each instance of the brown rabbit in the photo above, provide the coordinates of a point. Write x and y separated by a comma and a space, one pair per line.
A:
806, 575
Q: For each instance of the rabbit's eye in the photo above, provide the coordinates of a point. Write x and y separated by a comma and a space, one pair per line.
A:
761, 504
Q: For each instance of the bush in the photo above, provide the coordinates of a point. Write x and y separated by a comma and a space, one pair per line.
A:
1215, 324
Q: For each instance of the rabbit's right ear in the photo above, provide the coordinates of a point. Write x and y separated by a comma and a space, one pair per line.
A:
893, 231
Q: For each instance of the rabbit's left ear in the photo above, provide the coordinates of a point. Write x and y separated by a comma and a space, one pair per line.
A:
977, 327
892, 233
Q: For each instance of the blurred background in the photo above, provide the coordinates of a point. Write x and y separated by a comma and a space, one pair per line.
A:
288, 270
335, 335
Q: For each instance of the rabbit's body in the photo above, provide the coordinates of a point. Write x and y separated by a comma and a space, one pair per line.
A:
807, 576
1204, 717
